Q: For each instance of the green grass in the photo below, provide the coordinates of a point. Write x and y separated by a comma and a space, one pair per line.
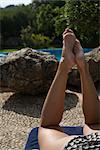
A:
8, 50
12, 50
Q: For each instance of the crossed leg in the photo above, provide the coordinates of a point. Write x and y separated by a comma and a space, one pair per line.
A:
56, 94
54, 104
91, 103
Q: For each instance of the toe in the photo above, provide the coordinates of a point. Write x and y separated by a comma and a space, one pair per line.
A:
77, 41
67, 30
69, 35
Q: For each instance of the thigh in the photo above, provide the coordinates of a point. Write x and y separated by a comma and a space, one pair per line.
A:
52, 139
88, 129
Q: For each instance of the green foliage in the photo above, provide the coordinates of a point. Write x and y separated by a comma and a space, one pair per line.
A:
26, 36
44, 21
15, 18
8, 50
53, 3
82, 16
40, 41
34, 40
12, 21
60, 21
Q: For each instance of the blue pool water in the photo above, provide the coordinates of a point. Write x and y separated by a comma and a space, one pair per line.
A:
56, 52
3, 54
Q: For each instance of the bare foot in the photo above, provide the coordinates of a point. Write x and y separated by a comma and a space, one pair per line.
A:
68, 43
79, 54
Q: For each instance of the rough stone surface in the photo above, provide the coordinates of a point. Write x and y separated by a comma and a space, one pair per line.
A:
31, 72
93, 59
27, 71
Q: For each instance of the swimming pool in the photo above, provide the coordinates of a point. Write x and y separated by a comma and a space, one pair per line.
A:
3, 54
56, 52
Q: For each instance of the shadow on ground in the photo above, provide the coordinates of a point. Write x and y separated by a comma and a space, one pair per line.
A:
71, 101
32, 105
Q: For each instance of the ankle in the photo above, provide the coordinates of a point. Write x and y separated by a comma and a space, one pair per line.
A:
64, 65
83, 67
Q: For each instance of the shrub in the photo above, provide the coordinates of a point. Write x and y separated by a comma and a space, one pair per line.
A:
34, 40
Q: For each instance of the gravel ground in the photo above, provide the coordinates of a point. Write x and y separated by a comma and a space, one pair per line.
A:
20, 113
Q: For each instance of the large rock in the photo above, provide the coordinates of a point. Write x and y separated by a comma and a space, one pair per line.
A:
32, 72
27, 71
93, 59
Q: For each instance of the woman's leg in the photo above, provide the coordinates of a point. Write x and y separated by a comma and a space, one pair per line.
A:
91, 104
54, 104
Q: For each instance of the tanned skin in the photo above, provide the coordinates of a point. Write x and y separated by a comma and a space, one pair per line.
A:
51, 136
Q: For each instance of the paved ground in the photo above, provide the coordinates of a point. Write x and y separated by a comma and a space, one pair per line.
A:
19, 114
